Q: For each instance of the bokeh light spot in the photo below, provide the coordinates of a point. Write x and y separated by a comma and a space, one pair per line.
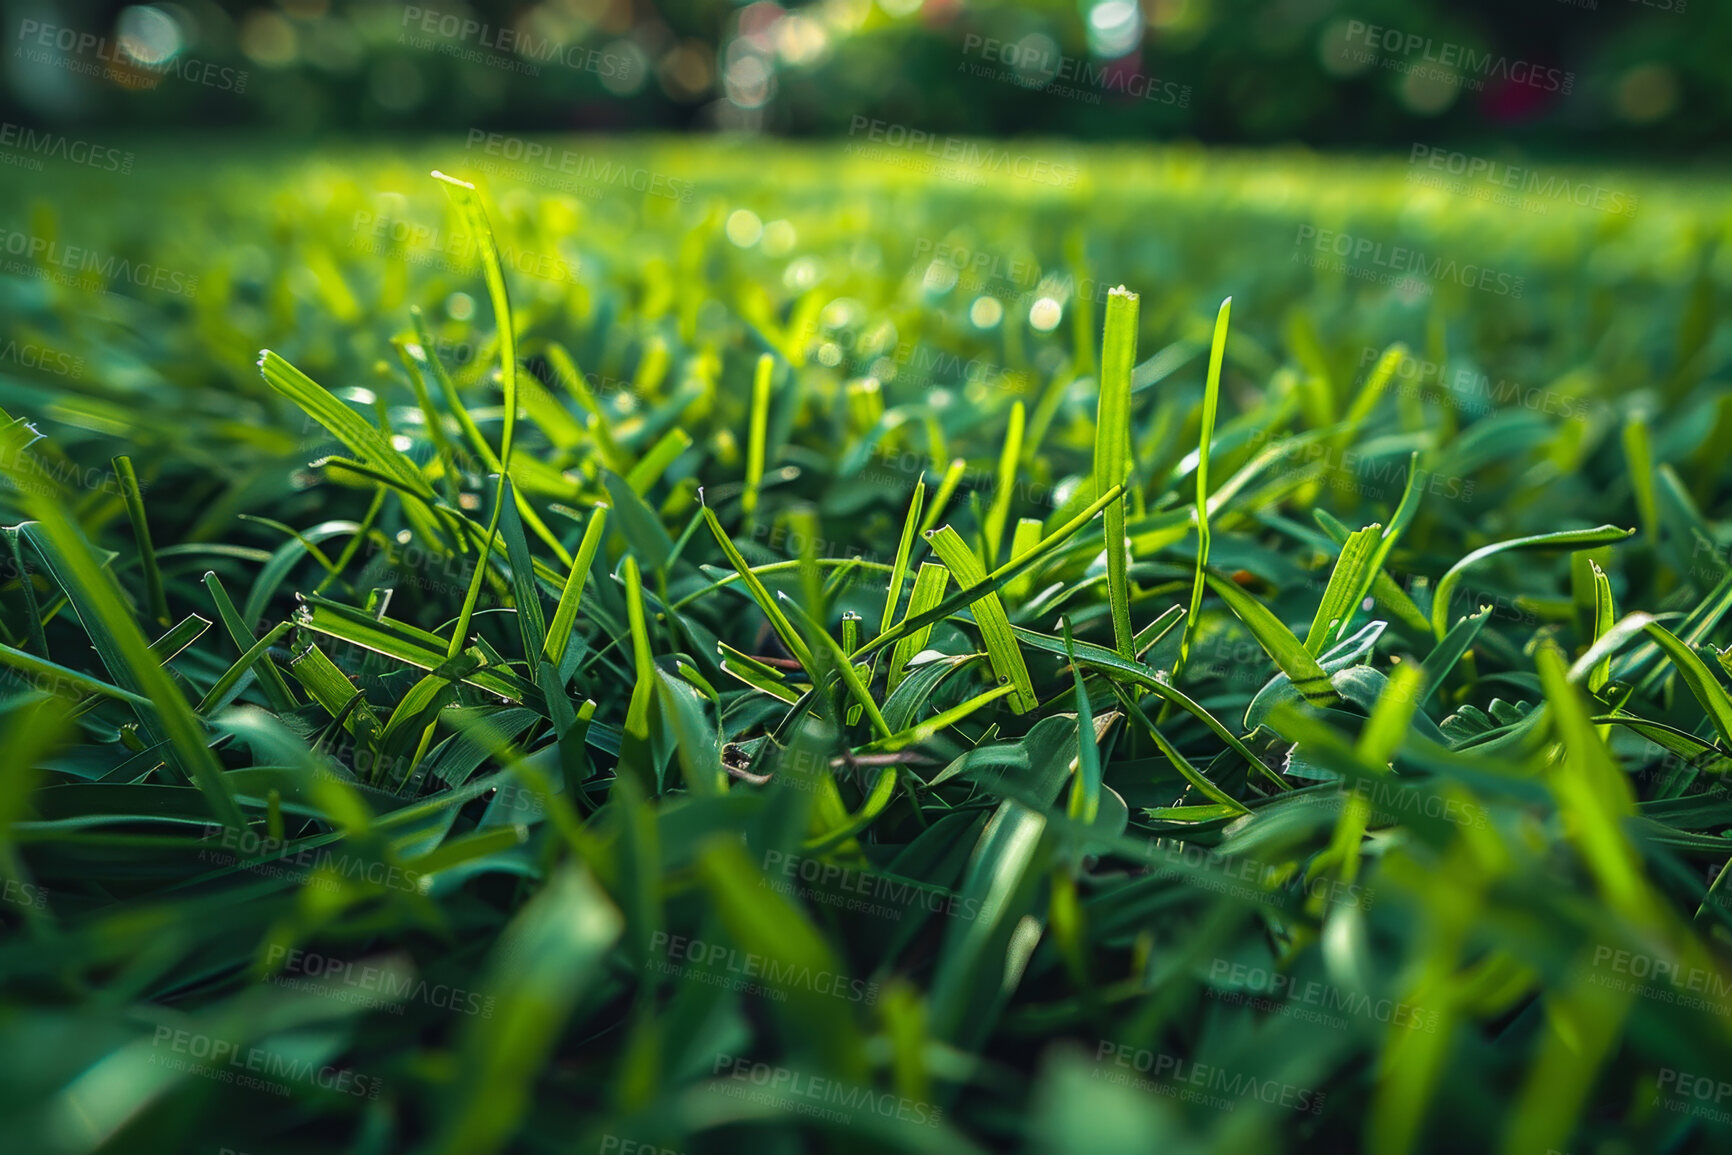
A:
744, 228
1045, 314
148, 35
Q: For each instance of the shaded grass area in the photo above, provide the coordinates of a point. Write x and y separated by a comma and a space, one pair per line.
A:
716, 711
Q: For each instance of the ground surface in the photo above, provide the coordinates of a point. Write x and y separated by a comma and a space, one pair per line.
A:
464, 857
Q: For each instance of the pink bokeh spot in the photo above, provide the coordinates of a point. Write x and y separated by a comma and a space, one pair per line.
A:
1508, 101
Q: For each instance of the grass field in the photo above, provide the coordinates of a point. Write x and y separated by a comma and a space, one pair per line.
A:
714, 711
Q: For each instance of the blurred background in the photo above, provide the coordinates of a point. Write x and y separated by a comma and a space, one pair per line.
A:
1630, 80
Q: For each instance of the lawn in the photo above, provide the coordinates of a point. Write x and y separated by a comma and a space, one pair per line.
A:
836, 672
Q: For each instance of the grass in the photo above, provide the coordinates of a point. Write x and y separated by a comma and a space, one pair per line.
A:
617, 670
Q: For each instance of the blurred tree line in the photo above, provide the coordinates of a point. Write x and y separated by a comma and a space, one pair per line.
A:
1633, 78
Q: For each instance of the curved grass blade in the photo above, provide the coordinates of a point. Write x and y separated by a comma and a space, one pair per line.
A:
1448, 652
126, 654
1562, 539
1309, 678
469, 203
1706, 689
1211, 395
347, 426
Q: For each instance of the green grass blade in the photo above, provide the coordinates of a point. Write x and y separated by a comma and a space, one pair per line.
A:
1113, 448
1562, 539
1294, 660
995, 580
1370, 393
531, 625
1001, 648
946, 489
929, 586
1085, 791
904, 546
129, 492
234, 673
126, 654
565, 615
636, 755
1604, 615
1639, 458
760, 594
364, 441
1347, 584
1448, 652
469, 202
999, 512
1211, 395
44, 673
1706, 689
759, 436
